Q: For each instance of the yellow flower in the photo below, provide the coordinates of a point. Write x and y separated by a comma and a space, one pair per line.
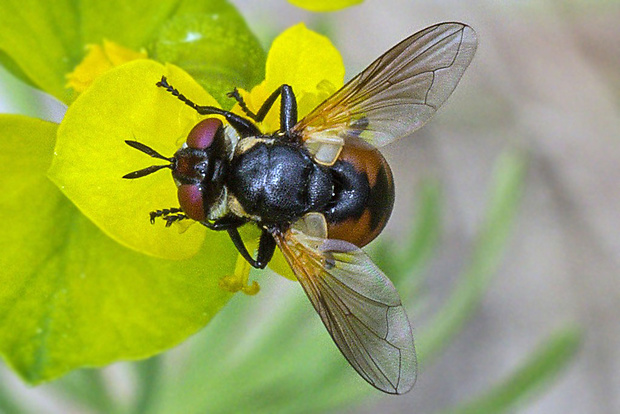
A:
324, 5
98, 60
308, 62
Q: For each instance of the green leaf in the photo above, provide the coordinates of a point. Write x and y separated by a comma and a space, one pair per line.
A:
212, 42
41, 42
149, 376
47, 40
11, 67
131, 24
425, 235
494, 231
9, 402
21, 98
540, 368
404, 262
44, 41
86, 388
72, 297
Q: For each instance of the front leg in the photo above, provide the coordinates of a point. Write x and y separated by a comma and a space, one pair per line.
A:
243, 126
169, 215
288, 107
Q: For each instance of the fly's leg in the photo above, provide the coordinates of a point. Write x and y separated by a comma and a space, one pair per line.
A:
244, 107
231, 224
266, 248
169, 215
288, 107
243, 126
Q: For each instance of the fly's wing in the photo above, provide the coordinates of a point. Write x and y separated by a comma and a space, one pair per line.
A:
358, 305
399, 92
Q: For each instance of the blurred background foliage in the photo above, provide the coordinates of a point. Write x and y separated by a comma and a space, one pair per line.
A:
506, 250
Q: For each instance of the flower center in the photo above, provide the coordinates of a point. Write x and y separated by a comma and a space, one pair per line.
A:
98, 60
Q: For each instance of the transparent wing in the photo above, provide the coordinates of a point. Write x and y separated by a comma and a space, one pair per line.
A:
399, 92
358, 305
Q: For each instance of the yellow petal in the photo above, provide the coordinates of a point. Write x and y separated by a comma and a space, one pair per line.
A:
279, 265
324, 5
91, 156
308, 62
98, 60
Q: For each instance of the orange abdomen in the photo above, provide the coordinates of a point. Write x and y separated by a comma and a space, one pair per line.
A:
364, 194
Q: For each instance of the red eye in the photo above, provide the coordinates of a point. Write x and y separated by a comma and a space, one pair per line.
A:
202, 135
190, 199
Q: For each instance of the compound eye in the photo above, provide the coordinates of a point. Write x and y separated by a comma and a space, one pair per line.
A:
203, 134
190, 199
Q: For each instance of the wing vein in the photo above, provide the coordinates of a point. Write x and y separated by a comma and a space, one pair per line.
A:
359, 307
400, 91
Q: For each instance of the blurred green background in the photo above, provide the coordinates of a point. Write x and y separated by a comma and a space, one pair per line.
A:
504, 242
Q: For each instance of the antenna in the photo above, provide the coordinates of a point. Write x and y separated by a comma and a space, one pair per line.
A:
150, 152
